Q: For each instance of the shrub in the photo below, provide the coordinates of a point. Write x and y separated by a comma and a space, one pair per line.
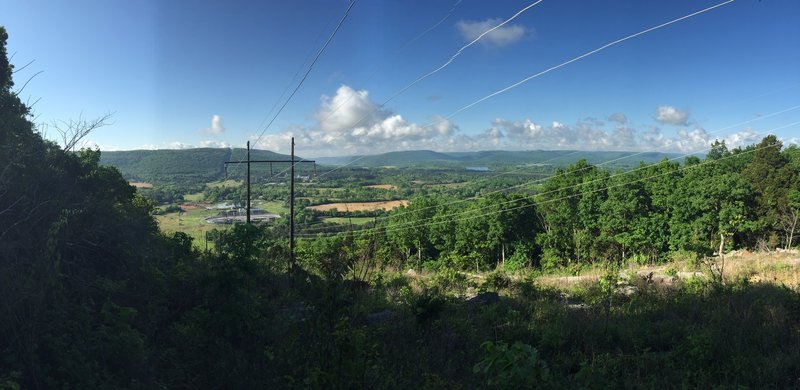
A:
518, 366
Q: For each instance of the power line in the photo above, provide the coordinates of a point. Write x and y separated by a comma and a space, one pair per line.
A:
305, 76
597, 165
530, 77
565, 63
375, 68
405, 226
431, 73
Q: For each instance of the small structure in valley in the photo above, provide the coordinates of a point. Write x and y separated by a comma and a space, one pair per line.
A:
240, 216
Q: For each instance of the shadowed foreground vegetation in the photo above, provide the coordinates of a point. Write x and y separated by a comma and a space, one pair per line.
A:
93, 295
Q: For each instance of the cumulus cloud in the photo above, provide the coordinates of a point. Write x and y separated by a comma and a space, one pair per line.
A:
694, 140
179, 145
592, 135
214, 144
502, 36
618, 117
216, 125
672, 116
171, 145
349, 122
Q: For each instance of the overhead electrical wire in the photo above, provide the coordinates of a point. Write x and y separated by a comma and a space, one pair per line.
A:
308, 71
505, 189
403, 225
525, 80
580, 57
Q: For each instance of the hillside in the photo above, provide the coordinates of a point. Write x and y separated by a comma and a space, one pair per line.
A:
203, 165
496, 158
187, 165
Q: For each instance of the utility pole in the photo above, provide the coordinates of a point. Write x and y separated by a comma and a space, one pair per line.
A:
294, 162
291, 213
248, 181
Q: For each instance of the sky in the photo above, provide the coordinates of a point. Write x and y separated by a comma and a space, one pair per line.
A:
410, 75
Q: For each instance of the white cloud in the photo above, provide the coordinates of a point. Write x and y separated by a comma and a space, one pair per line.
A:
697, 140
502, 36
178, 145
672, 116
216, 125
214, 144
618, 117
350, 123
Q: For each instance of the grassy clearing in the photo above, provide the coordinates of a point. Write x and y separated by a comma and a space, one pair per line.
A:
196, 197
347, 221
447, 185
383, 186
226, 184
191, 222
360, 206
272, 207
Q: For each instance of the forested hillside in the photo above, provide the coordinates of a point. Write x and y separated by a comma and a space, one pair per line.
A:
497, 159
445, 293
187, 166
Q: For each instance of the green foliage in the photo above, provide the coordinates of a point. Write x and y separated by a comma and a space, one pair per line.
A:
92, 295
516, 367
495, 281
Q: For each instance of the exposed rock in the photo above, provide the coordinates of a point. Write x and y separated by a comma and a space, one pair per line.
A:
629, 290
381, 317
356, 285
485, 298
411, 273
690, 275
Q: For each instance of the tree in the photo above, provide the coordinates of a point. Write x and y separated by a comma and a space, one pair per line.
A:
772, 177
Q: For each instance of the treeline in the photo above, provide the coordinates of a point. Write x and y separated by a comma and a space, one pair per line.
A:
747, 197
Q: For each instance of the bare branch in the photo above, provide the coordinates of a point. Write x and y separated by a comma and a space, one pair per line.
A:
73, 131
26, 83
23, 67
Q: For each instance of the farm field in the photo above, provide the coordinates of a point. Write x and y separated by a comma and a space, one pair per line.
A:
192, 220
360, 206
383, 186
196, 197
225, 184
347, 221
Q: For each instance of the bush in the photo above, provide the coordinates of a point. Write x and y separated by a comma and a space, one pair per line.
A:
518, 366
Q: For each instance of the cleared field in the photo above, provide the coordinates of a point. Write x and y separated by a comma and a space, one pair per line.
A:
141, 184
225, 184
383, 186
360, 206
347, 221
196, 197
191, 221
448, 185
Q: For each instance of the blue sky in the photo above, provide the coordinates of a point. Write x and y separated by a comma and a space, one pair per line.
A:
188, 74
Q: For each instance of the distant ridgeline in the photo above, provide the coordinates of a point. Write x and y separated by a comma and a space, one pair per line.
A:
494, 159
200, 165
203, 165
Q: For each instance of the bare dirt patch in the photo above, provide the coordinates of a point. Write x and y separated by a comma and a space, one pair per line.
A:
383, 186
360, 206
141, 184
